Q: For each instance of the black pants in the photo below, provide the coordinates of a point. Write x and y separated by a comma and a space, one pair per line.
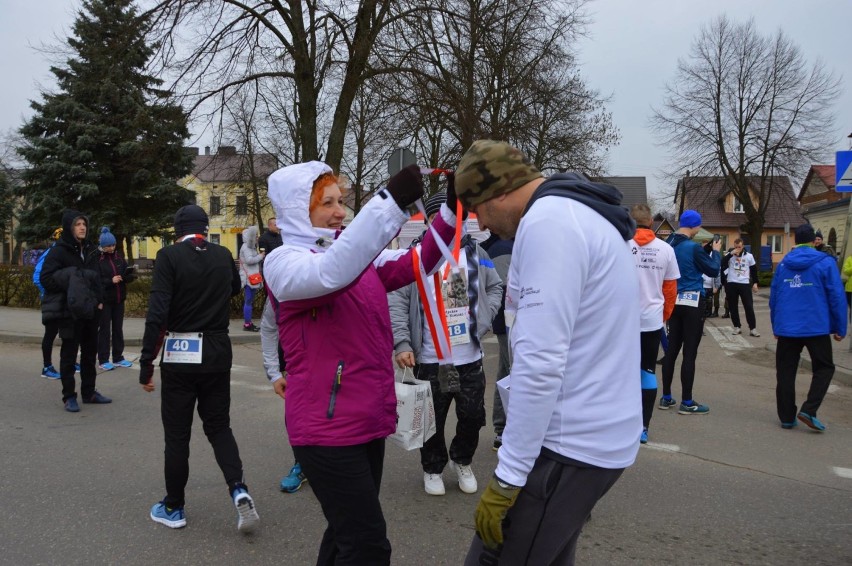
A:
212, 392
649, 346
685, 328
51, 330
112, 324
544, 524
736, 291
346, 481
787, 356
77, 335
470, 414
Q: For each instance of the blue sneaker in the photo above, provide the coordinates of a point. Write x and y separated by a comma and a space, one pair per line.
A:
812, 422
124, 364
793, 424
247, 517
693, 408
172, 518
292, 482
50, 372
71, 405
106, 366
76, 368
666, 403
643, 438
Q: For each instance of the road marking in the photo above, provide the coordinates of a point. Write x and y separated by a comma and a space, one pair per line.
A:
833, 388
253, 386
663, 447
843, 472
730, 343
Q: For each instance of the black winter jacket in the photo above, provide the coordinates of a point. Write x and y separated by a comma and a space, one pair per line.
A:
110, 265
70, 277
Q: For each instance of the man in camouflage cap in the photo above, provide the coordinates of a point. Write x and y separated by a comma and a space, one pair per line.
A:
574, 415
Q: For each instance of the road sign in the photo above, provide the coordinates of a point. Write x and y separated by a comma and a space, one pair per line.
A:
403, 157
843, 172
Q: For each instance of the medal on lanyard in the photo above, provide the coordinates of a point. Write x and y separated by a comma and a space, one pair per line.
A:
433, 304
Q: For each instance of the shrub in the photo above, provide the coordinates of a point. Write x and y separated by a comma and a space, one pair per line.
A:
764, 278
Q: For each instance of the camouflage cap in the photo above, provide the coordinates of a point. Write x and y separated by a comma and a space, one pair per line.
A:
491, 168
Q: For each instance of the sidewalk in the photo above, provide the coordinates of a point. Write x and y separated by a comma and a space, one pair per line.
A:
842, 355
23, 326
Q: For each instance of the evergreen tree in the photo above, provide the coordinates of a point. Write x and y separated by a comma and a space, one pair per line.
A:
109, 142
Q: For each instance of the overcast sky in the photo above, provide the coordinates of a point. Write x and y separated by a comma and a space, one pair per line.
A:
631, 52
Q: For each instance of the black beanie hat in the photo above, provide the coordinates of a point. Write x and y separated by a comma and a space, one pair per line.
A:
805, 234
190, 219
433, 203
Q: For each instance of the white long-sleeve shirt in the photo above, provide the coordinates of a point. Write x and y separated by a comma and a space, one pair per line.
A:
575, 386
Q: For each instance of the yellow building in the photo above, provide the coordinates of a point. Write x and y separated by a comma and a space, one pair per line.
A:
231, 187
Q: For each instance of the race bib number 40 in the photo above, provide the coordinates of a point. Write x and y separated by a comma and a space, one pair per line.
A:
183, 347
688, 298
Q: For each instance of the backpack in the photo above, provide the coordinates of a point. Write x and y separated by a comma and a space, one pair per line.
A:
37, 271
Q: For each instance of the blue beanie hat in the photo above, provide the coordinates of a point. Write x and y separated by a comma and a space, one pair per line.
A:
107, 239
690, 219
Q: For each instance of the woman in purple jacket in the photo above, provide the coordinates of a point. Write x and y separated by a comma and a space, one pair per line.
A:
334, 326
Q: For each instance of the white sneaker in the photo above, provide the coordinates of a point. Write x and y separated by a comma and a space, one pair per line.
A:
434, 484
737, 330
467, 481
754, 332
247, 517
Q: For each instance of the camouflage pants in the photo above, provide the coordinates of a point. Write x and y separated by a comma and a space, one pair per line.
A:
470, 414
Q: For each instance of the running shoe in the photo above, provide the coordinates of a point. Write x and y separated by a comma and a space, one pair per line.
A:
754, 332
693, 408
124, 364
433, 484
71, 405
643, 438
172, 518
292, 482
812, 422
247, 517
50, 372
106, 366
666, 403
467, 481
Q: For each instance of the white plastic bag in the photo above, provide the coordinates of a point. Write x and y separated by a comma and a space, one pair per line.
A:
415, 412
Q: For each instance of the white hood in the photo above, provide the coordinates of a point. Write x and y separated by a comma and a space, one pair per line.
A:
290, 193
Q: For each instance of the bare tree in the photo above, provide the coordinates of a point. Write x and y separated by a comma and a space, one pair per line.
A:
748, 108
500, 69
322, 50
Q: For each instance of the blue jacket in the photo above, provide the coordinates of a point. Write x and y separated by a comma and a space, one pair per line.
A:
693, 261
807, 296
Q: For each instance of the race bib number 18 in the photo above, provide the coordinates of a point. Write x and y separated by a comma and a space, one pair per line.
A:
183, 347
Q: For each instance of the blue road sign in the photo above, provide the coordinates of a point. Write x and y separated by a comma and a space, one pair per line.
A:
843, 172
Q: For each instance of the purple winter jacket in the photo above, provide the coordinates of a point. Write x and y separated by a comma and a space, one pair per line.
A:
333, 313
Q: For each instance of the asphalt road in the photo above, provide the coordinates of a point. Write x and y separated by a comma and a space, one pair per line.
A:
731, 487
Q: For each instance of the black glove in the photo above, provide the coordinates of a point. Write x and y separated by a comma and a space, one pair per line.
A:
452, 199
146, 373
406, 186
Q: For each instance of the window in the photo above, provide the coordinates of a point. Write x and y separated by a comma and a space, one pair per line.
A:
738, 206
775, 241
241, 206
215, 206
214, 239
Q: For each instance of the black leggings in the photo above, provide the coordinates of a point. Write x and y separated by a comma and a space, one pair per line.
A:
51, 329
649, 347
685, 328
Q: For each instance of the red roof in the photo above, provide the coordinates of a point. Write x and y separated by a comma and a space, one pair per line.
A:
707, 196
825, 174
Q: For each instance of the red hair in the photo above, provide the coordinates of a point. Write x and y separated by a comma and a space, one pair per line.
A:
318, 189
